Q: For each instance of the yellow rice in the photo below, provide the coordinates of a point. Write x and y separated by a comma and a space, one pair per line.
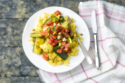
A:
54, 58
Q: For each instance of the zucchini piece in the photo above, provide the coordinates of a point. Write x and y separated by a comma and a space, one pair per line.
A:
63, 55
35, 35
36, 48
61, 19
53, 19
69, 25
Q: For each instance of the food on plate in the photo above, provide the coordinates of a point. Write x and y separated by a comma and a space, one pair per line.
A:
55, 38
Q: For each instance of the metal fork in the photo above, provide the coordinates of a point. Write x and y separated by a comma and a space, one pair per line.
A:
85, 52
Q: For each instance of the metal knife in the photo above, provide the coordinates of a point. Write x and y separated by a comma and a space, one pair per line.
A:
95, 33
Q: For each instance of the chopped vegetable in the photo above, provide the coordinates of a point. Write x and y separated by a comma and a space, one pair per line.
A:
59, 36
43, 33
50, 23
58, 12
46, 47
69, 25
67, 45
71, 34
55, 32
66, 50
57, 27
45, 56
36, 47
56, 41
69, 40
63, 43
58, 23
53, 19
60, 50
64, 39
59, 44
45, 25
67, 30
54, 24
61, 19
63, 55
59, 33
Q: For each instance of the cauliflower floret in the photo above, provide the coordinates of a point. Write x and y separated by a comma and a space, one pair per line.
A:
66, 17
46, 47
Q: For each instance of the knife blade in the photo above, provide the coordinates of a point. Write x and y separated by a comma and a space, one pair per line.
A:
95, 33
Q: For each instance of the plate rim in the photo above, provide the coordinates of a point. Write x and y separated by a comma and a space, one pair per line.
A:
47, 8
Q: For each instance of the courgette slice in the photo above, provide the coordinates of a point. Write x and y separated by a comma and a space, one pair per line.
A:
53, 19
63, 55
36, 48
35, 35
61, 19
69, 25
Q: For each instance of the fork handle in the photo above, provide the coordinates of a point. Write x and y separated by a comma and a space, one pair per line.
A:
89, 60
97, 58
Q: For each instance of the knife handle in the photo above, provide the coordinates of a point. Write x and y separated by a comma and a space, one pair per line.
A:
89, 60
97, 58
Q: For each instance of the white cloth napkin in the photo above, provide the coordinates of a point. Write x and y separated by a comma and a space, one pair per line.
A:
111, 29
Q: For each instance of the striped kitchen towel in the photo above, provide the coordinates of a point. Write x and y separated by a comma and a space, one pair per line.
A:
111, 28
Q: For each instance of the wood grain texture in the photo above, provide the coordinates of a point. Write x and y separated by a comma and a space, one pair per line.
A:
14, 65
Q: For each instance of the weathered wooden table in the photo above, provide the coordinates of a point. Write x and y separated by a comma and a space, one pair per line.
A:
14, 65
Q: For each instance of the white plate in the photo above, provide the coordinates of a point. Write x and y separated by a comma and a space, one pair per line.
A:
37, 60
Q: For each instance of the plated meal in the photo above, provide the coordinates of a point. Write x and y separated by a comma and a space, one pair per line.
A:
55, 38
53, 46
